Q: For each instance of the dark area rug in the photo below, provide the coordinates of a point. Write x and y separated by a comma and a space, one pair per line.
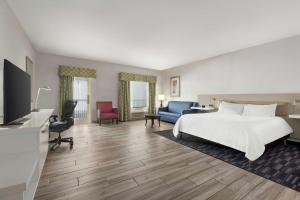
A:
279, 163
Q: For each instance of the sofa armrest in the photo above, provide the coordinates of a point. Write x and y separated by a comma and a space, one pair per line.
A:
164, 109
189, 111
195, 104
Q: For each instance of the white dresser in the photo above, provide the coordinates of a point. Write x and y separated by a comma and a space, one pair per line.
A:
23, 151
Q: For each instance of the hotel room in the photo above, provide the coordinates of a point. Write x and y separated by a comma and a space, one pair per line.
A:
161, 99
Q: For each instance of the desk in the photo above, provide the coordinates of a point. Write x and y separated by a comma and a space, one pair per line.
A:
23, 151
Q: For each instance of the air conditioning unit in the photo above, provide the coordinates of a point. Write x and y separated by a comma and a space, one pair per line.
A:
138, 114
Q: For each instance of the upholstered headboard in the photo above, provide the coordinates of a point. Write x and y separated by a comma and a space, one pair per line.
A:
285, 102
288, 103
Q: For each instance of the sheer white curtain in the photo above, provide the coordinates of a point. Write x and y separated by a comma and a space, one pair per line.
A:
139, 95
80, 94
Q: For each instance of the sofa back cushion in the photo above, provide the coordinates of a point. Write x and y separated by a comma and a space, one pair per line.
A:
179, 106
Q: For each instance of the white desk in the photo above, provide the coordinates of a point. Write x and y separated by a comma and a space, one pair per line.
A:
23, 151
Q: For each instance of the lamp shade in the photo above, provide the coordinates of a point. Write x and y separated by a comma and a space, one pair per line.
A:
47, 88
161, 97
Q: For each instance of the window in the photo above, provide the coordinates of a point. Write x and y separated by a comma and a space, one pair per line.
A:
81, 95
139, 95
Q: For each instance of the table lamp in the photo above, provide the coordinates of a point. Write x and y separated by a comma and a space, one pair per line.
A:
161, 97
47, 88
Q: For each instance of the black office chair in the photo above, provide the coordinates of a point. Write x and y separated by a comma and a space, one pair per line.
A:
67, 120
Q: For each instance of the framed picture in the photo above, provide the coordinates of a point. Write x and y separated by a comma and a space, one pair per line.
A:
29, 70
175, 86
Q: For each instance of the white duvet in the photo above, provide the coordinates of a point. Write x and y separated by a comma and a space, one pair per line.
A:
244, 133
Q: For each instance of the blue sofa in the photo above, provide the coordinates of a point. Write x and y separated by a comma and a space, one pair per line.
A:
175, 109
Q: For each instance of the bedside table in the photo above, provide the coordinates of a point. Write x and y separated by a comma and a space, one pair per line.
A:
293, 116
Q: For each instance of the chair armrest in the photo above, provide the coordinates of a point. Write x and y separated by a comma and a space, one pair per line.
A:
69, 121
189, 111
164, 109
53, 118
195, 104
115, 110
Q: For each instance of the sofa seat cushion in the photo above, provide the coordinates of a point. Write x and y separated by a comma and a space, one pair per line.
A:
179, 106
169, 114
109, 115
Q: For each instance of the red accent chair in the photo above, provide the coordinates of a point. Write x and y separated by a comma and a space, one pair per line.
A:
106, 111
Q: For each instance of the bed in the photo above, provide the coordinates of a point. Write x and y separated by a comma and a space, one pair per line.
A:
248, 134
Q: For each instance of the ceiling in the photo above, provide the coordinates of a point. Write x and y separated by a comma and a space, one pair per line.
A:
157, 34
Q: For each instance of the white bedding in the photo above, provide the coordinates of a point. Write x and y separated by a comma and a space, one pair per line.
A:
244, 133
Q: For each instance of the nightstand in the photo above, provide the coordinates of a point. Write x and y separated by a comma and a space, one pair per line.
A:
293, 116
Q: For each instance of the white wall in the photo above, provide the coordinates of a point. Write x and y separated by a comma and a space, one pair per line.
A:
104, 88
269, 68
14, 44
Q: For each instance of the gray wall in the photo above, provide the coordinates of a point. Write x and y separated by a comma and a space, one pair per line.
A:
268, 68
104, 88
14, 44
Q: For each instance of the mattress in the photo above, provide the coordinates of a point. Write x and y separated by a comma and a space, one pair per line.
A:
245, 133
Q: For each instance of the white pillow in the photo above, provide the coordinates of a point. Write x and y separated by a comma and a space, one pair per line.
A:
260, 110
231, 108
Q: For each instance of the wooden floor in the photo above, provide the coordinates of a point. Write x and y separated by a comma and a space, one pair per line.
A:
128, 161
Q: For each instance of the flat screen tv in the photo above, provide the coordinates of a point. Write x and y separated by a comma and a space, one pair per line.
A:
16, 93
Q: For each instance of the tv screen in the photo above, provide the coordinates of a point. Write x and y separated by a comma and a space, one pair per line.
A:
16, 93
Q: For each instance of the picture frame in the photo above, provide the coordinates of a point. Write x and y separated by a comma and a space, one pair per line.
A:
175, 86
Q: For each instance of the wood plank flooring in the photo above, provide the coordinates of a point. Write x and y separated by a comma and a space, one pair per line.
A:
128, 161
